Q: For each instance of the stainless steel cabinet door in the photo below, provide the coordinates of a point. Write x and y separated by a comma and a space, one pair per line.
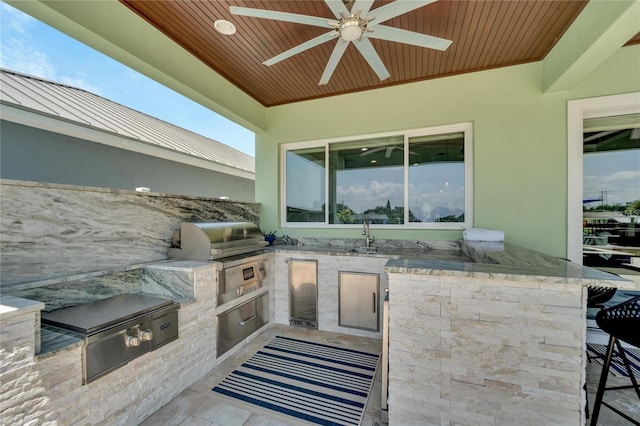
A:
359, 300
303, 296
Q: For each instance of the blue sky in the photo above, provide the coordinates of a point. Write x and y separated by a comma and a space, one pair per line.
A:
31, 47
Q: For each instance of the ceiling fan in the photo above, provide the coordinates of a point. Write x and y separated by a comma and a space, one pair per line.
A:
355, 26
387, 149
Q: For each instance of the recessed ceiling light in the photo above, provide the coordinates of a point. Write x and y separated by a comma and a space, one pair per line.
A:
373, 161
364, 149
224, 27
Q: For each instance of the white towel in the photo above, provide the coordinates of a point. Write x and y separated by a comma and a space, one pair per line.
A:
477, 234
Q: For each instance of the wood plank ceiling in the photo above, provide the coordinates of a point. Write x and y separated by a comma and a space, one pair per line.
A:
486, 34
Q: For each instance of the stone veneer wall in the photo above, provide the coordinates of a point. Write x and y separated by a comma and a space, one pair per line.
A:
328, 268
50, 231
471, 350
47, 389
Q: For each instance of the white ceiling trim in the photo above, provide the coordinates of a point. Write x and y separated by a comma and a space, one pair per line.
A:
597, 33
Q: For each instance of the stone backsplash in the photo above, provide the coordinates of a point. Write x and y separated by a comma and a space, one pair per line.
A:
48, 231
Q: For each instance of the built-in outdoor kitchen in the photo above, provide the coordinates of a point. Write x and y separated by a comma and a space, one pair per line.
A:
107, 316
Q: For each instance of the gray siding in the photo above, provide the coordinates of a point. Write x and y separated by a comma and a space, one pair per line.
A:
78, 106
36, 155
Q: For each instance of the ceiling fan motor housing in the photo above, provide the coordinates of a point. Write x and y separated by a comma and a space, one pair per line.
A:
351, 28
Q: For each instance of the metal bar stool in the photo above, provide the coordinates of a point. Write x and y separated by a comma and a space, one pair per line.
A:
597, 296
622, 323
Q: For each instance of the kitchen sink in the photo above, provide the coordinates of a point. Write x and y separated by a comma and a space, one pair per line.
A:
364, 250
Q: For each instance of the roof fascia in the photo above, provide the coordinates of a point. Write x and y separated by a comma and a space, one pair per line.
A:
56, 125
111, 28
598, 32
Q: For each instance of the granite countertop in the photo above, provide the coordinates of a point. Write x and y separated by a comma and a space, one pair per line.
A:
490, 259
12, 306
437, 250
506, 261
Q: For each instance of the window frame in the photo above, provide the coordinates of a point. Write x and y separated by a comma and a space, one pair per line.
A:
465, 128
577, 111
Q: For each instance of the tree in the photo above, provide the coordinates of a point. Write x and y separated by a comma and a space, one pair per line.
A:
345, 215
633, 209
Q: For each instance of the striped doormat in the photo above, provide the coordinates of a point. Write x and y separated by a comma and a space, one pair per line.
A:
317, 383
617, 367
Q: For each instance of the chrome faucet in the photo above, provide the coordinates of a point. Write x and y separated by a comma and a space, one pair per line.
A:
366, 233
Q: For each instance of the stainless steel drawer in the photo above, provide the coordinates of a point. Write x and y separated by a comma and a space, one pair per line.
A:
237, 324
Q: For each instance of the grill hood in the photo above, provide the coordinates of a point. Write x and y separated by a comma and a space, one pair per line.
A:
215, 240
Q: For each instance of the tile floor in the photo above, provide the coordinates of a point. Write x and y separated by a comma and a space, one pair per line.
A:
199, 406
625, 400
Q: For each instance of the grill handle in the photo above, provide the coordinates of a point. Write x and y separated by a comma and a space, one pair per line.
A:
248, 320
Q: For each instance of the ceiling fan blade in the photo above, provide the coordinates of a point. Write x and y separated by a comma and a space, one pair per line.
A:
372, 151
363, 6
384, 32
301, 48
281, 16
337, 53
338, 8
396, 8
387, 154
366, 49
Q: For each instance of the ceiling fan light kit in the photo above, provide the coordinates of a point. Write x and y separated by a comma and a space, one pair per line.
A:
355, 26
352, 28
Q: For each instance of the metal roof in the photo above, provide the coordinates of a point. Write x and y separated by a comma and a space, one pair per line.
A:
86, 109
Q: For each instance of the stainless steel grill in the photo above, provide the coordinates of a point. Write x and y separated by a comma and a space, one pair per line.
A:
117, 329
238, 247
215, 240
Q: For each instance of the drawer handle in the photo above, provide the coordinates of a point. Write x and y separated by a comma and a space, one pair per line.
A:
240, 291
373, 306
248, 320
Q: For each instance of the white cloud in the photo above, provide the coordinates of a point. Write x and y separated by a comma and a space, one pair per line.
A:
362, 197
15, 19
21, 53
19, 56
80, 82
620, 187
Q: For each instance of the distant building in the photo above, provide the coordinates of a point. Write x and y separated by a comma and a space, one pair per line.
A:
611, 228
56, 133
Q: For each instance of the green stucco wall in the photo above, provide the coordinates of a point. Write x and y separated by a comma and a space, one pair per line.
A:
520, 143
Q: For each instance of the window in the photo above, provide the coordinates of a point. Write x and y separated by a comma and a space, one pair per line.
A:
305, 173
578, 112
366, 178
419, 178
611, 191
437, 178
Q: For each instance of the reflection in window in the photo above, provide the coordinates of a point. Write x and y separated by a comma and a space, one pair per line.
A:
611, 191
419, 178
305, 190
436, 178
366, 181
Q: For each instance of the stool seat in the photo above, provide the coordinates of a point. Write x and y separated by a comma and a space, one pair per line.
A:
597, 296
622, 321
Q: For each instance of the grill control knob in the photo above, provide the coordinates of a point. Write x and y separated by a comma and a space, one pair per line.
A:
146, 335
133, 340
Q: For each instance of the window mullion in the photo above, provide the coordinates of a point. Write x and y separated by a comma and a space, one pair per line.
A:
327, 170
406, 180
